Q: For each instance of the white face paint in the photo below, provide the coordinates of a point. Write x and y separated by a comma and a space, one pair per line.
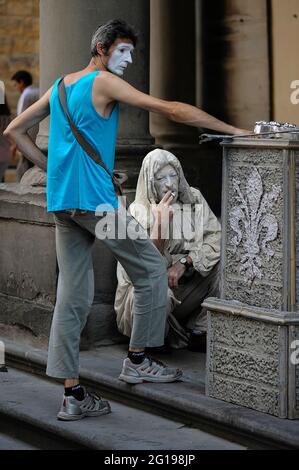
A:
120, 58
166, 180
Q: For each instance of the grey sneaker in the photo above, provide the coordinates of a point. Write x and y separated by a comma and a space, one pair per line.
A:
92, 405
149, 370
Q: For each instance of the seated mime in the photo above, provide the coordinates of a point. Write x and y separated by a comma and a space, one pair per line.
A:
191, 251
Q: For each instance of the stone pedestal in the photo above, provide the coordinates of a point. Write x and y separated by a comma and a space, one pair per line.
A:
252, 358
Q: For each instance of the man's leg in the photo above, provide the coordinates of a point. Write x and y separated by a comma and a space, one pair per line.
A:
192, 294
198, 320
74, 297
146, 268
75, 293
190, 313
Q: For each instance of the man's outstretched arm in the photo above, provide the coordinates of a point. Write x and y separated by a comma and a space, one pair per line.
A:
16, 132
115, 88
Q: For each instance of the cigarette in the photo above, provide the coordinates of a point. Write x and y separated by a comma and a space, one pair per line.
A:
173, 194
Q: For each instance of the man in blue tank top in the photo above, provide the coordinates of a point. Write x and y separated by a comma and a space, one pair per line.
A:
76, 186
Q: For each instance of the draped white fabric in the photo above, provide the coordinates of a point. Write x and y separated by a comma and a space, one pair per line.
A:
191, 210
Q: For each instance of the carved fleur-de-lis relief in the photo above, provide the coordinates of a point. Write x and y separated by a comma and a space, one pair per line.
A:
253, 224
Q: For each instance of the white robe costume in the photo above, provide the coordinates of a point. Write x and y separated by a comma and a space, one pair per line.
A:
203, 247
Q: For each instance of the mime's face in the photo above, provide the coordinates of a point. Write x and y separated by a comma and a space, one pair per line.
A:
166, 180
120, 55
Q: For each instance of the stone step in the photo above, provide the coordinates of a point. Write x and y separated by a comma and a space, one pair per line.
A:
32, 400
184, 401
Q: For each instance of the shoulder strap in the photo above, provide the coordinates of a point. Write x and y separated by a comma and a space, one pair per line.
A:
89, 149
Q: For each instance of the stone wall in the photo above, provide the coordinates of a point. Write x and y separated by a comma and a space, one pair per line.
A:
27, 260
19, 42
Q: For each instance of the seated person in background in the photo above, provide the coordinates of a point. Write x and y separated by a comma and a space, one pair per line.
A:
22, 82
191, 251
6, 148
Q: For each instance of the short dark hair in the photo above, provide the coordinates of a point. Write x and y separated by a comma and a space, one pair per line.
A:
107, 33
23, 75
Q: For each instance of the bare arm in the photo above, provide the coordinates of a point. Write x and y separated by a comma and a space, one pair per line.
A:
16, 132
114, 88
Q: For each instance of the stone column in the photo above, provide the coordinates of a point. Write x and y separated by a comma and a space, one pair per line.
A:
235, 60
67, 26
172, 71
66, 30
174, 76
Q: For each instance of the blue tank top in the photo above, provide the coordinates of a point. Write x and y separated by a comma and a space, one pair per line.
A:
74, 180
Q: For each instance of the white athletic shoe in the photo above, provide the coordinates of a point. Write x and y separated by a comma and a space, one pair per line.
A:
149, 370
92, 405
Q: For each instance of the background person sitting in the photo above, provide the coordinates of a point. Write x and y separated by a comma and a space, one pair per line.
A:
5, 147
22, 81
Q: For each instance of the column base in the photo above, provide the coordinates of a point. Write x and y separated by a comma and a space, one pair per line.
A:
249, 357
28, 274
